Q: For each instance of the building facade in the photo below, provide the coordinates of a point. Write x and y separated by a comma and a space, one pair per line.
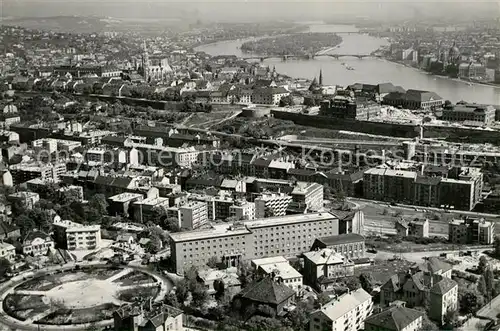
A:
74, 236
344, 313
350, 245
323, 267
231, 243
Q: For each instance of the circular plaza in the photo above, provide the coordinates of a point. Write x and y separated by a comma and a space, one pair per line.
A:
72, 298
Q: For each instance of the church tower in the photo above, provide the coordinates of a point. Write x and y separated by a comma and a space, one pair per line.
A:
320, 77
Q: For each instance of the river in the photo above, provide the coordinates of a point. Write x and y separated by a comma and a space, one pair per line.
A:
367, 70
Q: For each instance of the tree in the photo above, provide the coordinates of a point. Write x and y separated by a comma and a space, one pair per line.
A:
483, 264
489, 279
5, 267
496, 245
213, 262
352, 283
366, 281
181, 291
470, 300
286, 101
299, 317
481, 286
98, 202
450, 318
154, 245
427, 324
199, 295
245, 274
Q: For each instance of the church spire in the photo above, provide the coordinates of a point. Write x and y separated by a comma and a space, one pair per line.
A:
320, 77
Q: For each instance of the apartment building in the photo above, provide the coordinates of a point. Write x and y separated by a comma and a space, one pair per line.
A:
457, 188
471, 231
344, 313
323, 267
75, 236
222, 204
309, 195
144, 209
268, 95
289, 235
242, 210
208, 200
164, 155
121, 204
395, 318
268, 205
52, 145
193, 215
280, 270
350, 245
26, 199
23, 172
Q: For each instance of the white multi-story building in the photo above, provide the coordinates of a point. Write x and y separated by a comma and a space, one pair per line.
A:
193, 215
280, 269
310, 195
242, 210
289, 235
323, 267
268, 205
344, 313
75, 236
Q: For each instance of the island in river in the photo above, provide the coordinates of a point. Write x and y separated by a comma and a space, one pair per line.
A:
299, 44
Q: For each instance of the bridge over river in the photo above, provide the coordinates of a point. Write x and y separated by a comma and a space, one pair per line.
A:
309, 57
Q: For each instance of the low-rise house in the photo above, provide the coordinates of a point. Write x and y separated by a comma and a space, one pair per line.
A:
7, 251
147, 316
323, 267
9, 231
344, 313
126, 239
280, 271
422, 288
414, 228
219, 281
277, 296
37, 243
396, 318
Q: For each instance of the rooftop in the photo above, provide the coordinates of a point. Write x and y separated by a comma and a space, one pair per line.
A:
394, 319
123, 197
340, 306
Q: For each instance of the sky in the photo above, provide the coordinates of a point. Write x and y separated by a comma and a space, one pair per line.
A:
248, 10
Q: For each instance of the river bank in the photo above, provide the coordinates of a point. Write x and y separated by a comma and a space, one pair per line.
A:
368, 70
435, 76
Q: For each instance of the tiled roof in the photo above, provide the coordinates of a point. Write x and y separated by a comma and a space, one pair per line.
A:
394, 318
267, 291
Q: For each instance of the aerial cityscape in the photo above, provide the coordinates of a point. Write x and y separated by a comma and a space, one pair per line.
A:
248, 165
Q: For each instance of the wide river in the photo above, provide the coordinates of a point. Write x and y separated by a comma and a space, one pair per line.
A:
367, 70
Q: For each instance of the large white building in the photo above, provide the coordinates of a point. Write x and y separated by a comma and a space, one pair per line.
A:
75, 236
271, 205
289, 235
344, 313
193, 215
242, 210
